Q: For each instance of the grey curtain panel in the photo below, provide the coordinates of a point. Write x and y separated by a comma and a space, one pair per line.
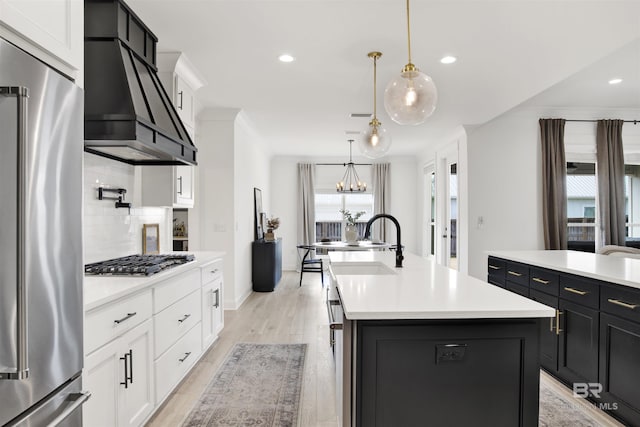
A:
381, 196
554, 183
306, 203
610, 170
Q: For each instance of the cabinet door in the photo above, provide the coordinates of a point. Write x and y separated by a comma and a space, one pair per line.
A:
620, 367
55, 26
184, 186
211, 312
103, 373
184, 102
578, 353
548, 332
138, 399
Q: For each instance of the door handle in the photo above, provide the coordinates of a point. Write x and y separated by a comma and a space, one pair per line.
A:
127, 317
78, 400
180, 103
217, 303
576, 291
186, 316
21, 362
558, 330
185, 357
126, 371
180, 185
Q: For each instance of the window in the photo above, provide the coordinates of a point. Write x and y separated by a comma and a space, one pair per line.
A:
581, 205
632, 203
329, 222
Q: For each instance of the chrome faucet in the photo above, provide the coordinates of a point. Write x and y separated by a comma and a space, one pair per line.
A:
367, 232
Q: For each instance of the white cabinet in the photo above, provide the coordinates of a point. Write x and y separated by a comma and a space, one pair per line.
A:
212, 312
178, 340
53, 28
173, 186
168, 186
120, 378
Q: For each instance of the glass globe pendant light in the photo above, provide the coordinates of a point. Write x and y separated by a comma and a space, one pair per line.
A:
374, 141
411, 97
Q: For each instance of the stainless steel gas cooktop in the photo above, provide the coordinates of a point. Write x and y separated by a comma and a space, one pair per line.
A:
145, 265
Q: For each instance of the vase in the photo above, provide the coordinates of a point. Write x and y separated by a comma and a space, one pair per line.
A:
351, 233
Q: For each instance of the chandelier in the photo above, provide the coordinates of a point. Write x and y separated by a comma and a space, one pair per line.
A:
350, 181
375, 141
410, 97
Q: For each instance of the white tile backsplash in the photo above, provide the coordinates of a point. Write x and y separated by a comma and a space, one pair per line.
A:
110, 232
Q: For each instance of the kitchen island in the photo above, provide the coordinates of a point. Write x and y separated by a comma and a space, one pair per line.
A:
426, 345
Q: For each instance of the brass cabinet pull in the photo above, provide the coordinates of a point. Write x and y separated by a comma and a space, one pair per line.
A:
513, 273
623, 304
493, 267
544, 282
558, 330
576, 291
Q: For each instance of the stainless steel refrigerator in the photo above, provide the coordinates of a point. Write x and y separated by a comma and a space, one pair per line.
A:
41, 313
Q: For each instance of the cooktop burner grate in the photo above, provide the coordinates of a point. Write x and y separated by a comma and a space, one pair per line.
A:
137, 264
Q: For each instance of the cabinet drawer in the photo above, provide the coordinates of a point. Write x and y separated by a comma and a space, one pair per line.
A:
518, 273
108, 322
517, 288
170, 291
621, 301
175, 320
496, 267
544, 280
211, 271
175, 362
583, 291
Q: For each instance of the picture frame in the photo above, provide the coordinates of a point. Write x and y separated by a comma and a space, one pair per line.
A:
150, 239
257, 210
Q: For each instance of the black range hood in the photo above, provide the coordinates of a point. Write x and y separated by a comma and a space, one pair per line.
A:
128, 115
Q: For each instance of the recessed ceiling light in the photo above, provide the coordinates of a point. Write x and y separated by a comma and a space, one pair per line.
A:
286, 58
615, 81
448, 59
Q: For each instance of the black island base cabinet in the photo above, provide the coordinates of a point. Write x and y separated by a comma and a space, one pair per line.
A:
593, 343
266, 264
442, 373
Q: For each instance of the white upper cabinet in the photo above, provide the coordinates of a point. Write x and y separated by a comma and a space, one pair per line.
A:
51, 30
173, 186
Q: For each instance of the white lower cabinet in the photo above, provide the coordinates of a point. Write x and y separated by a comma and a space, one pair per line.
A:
141, 346
212, 312
120, 378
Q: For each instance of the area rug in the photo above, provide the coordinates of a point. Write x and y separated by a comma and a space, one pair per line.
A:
559, 411
257, 385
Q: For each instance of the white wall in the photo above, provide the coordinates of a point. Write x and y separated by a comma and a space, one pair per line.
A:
284, 184
110, 232
505, 183
232, 161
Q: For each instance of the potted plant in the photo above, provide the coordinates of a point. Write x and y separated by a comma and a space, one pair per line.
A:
350, 231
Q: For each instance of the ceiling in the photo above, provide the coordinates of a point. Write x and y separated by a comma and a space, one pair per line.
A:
508, 51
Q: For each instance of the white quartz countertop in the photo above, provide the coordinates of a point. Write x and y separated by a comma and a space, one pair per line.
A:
614, 269
422, 289
99, 290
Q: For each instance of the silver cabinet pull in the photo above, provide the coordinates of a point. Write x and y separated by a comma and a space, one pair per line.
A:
513, 273
186, 316
185, 357
78, 400
180, 103
538, 280
217, 293
21, 362
214, 271
558, 330
576, 291
127, 317
623, 304
493, 267
180, 185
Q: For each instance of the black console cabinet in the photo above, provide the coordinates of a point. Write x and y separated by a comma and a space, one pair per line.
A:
266, 264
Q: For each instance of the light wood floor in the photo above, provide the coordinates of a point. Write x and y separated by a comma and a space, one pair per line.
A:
290, 314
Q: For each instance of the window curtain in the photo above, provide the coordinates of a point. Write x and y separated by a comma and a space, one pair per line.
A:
610, 172
554, 183
306, 203
381, 197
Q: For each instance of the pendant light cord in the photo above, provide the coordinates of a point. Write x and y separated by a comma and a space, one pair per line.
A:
408, 33
375, 102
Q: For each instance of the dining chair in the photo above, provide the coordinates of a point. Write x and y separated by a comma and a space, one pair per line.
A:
310, 265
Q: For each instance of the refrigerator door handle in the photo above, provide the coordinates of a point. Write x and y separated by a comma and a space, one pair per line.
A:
78, 400
22, 351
